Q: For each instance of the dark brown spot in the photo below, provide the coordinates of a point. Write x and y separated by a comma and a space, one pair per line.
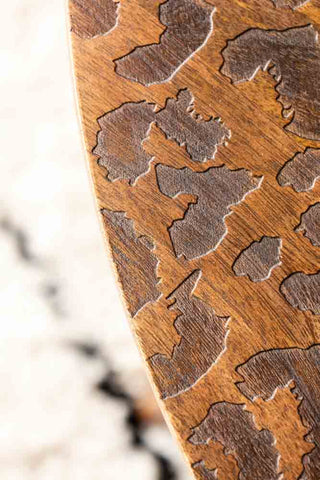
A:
302, 171
295, 58
120, 141
135, 261
232, 426
90, 18
203, 227
188, 26
203, 340
302, 291
267, 371
259, 259
179, 121
310, 224
123, 131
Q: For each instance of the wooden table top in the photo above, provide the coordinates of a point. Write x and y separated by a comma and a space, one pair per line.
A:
201, 121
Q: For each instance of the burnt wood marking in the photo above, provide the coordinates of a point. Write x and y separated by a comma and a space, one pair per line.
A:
188, 26
303, 291
310, 224
123, 131
302, 171
268, 371
294, 57
233, 427
179, 121
217, 189
135, 261
90, 18
120, 141
259, 259
203, 341
203, 472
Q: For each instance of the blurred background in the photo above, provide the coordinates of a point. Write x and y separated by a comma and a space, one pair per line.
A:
75, 403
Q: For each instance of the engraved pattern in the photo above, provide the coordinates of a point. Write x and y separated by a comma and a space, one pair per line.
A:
294, 57
232, 426
124, 130
201, 138
302, 171
203, 341
280, 368
203, 227
259, 259
120, 141
135, 261
195, 359
310, 224
188, 26
303, 291
90, 18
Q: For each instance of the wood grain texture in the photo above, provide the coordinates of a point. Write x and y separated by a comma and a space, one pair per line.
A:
120, 140
136, 262
188, 24
204, 472
207, 142
310, 224
278, 52
259, 259
302, 291
290, 3
203, 341
125, 129
203, 226
282, 368
302, 171
234, 427
90, 18
179, 121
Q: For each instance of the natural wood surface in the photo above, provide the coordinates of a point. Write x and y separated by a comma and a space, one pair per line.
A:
201, 120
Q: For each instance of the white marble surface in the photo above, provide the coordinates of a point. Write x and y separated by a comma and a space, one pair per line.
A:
57, 287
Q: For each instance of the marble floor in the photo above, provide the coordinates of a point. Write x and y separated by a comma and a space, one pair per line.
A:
74, 400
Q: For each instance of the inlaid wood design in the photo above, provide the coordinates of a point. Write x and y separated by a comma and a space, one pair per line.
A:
234, 427
293, 4
90, 18
203, 341
188, 25
259, 259
201, 120
135, 262
279, 51
302, 291
302, 171
203, 226
296, 368
310, 224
